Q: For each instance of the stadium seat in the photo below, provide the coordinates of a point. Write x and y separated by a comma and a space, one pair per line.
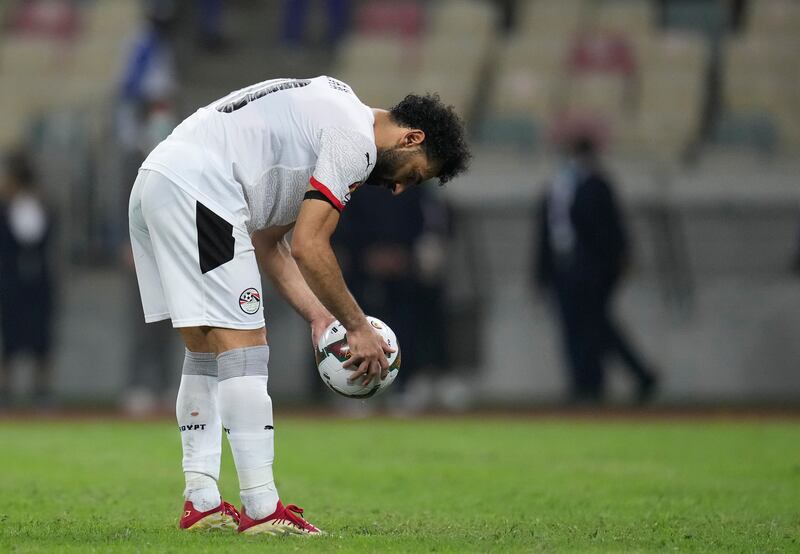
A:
520, 100
23, 55
541, 52
452, 66
790, 133
457, 89
706, 17
601, 52
599, 93
755, 83
97, 59
112, 18
372, 53
380, 93
672, 90
563, 17
521, 90
47, 19
387, 17
453, 55
12, 130
757, 130
473, 19
377, 67
567, 126
20, 102
632, 20
600, 84
774, 17
518, 131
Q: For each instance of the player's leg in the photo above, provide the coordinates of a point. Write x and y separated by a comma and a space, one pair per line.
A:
246, 410
199, 422
197, 411
212, 285
196, 406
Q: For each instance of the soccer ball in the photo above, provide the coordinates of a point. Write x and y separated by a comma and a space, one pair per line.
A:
332, 351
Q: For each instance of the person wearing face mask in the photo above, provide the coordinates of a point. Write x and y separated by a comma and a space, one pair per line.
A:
581, 257
26, 288
216, 201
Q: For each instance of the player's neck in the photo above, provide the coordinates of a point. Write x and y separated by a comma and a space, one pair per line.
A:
387, 132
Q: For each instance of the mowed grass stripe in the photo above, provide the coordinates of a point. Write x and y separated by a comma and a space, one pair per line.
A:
429, 485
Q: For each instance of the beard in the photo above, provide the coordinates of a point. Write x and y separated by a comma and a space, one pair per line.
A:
387, 166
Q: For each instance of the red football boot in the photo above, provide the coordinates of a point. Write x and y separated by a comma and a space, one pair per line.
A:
223, 516
285, 520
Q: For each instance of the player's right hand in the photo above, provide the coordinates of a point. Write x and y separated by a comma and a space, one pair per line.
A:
367, 354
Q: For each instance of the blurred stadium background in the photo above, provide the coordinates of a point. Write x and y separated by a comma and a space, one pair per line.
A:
696, 103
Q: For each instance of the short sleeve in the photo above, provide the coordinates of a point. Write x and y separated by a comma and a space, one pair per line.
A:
345, 160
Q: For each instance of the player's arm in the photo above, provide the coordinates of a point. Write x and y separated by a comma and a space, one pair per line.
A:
275, 259
312, 251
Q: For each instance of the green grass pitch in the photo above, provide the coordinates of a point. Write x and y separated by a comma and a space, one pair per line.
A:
461, 485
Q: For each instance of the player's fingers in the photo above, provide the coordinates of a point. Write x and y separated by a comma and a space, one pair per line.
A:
363, 368
374, 372
388, 349
367, 376
351, 361
383, 362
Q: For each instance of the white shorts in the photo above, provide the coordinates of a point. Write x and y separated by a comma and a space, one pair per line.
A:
193, 266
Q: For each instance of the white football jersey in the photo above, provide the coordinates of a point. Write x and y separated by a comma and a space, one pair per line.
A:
252, 154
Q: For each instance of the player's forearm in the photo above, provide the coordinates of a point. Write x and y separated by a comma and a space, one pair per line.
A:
321, 271
282, 270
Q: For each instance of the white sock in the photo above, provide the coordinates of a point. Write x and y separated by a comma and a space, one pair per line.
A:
246, 410
201, 490
201, 429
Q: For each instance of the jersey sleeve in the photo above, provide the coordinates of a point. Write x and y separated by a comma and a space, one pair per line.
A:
344, 162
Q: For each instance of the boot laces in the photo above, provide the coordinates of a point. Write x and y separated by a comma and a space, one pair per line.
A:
294, 515
228, 509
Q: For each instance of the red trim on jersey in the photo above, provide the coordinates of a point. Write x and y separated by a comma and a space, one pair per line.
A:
327, 192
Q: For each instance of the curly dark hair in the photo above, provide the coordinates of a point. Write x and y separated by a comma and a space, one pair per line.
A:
445, 141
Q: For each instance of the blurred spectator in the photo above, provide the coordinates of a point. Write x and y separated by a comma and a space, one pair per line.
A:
148, 74
26, 288
583, 249
296, 14
151, 362
393, 251
210, 16
145, 117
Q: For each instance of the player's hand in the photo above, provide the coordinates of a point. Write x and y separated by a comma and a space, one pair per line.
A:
368, 353
318, 327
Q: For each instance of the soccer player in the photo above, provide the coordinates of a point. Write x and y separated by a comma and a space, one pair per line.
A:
213, 203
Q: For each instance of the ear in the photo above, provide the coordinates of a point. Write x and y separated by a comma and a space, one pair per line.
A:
413, 137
